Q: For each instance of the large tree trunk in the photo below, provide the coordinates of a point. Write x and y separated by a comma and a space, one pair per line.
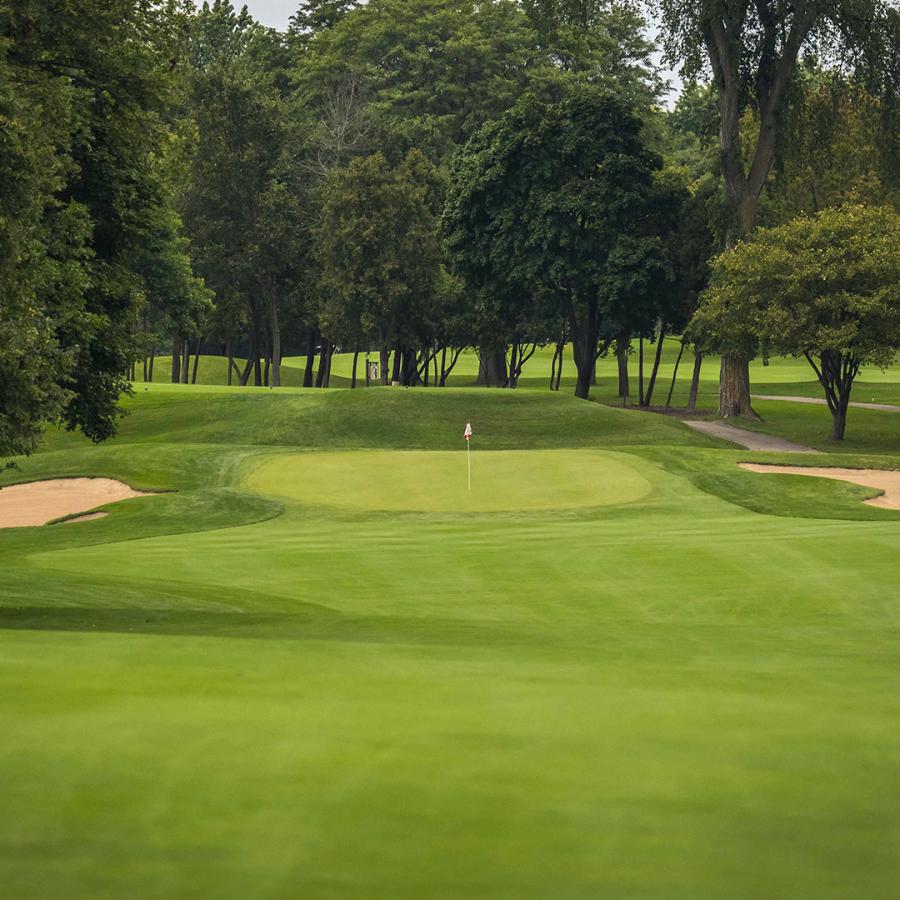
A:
176, 361
152, 361
622, 360
395, 366
229, 352
408, 367
734, 387
493, 370
384, 356
743, 184
353, 376
839, 423
585, 334
583, 379
276, 346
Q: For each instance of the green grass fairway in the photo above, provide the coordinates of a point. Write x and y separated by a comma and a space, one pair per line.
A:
316, 668
781, 375
436, 481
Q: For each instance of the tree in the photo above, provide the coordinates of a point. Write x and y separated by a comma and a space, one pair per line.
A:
752, 50
243, 199
84, 88
561, 197
315, 15
826, 288
378, 255
433, 70
837, 148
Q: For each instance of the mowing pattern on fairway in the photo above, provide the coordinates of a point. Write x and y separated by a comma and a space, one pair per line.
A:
422, 481
269, 682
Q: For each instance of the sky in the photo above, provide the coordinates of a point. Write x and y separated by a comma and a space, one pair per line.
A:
276, 13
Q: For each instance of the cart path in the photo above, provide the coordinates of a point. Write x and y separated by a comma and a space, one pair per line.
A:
750, 440
820, 401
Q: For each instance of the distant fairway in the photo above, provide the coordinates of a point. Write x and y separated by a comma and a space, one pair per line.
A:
779, 375
413, 481
316, 668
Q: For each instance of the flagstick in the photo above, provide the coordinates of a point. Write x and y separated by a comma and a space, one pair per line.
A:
469, 461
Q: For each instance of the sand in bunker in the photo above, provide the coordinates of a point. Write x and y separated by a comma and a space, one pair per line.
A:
887, 480
39, 502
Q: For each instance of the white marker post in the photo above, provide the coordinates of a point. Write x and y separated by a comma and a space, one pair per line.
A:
467, 434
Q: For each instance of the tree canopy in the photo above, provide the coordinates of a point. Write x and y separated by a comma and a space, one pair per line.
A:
826, 288
556, 204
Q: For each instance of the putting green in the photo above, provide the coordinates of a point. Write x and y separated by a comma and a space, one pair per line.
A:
436, 481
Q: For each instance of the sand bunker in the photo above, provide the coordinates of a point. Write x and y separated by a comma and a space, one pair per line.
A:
40, 502
886, 480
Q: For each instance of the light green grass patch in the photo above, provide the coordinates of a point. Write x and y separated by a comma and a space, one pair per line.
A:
436, 481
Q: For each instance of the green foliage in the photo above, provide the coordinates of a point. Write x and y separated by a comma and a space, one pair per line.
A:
245, 196
826, 288
377, 250
831, 282
837, 148
434, 71
557, 203
315, 15
84, 89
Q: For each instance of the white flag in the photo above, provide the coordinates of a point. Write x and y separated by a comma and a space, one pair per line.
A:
468, 432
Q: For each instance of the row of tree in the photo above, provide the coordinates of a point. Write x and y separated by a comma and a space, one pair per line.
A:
406, 176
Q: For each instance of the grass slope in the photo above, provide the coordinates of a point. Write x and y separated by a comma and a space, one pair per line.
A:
359, 690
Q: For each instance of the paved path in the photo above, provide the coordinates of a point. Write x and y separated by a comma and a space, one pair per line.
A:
751, 440
820, 401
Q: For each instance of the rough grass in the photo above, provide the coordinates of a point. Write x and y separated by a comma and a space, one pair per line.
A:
681, 696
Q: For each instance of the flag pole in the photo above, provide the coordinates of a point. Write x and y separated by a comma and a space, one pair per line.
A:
469, 460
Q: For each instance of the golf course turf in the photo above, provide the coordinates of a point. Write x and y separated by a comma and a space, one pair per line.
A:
315, 667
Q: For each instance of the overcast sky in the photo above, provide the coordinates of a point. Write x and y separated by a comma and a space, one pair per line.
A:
276, 13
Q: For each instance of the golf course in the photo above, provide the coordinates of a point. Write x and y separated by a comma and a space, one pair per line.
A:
449, 450
312, 664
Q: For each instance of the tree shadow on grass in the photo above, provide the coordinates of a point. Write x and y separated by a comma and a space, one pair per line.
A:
311, 622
